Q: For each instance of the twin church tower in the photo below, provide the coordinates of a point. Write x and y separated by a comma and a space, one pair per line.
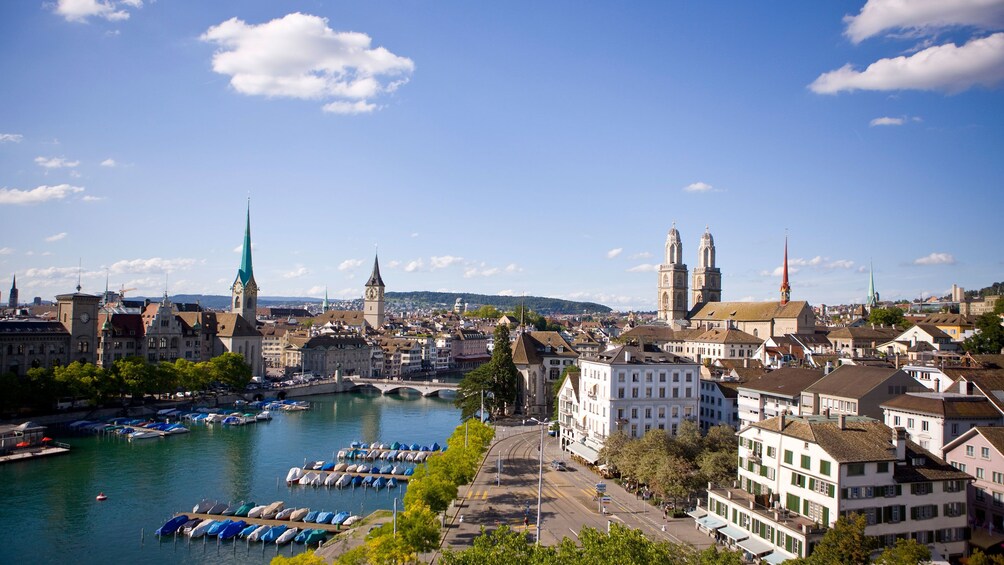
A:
672, 298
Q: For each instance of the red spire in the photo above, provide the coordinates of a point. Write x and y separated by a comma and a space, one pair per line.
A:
785, 287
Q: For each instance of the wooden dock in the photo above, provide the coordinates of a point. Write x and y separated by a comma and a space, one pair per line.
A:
32, 453
331, 528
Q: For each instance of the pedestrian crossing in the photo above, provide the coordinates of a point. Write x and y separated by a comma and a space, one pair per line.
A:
528, 493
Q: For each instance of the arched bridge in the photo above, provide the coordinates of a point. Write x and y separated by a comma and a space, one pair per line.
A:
425, 388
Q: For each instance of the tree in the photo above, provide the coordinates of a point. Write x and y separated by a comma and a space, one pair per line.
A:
843, 544
905, 552
887, 317
989, 336
611, 451
306, 558
980, 558
999, 307
230, 369
133, 373
497, 379
433, 490
502, 546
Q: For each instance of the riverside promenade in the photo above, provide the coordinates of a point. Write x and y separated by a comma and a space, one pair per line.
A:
567, 498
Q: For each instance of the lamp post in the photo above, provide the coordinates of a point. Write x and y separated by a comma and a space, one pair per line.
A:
540, 474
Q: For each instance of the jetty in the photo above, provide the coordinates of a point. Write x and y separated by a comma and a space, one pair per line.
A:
331, 528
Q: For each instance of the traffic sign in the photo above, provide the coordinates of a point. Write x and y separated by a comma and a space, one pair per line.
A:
601, 487
606, 500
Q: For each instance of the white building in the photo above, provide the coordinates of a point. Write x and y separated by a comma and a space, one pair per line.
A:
632, 389
798, 475
774, 393
933, 419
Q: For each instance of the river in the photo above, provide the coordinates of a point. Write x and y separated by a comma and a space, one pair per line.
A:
49, 513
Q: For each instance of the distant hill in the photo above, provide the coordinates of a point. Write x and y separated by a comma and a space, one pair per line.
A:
415, 299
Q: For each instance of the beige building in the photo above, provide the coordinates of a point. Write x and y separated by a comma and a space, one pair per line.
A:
325, 355
540, 358
759, 319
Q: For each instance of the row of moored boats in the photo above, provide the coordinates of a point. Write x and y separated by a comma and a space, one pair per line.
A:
348, 476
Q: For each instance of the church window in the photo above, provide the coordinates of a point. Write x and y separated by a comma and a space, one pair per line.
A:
237, 302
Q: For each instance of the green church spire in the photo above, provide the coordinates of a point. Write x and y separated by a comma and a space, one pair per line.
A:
873, 296
246, 274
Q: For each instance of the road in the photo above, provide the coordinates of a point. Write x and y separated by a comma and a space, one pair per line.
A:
567, 497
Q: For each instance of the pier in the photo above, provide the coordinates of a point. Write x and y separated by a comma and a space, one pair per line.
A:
400, 478
331, 528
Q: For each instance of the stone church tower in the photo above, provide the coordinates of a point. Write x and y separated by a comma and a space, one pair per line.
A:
244, 292
672, 298
373, 303
707, 277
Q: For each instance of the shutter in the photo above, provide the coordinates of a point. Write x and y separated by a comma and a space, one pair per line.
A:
812, 484
913, 513
934, 510
879, 514
830, 490
843, 493
899, 490
886, 513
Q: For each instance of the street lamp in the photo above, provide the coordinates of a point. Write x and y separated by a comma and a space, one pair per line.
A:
540, 473
481, 414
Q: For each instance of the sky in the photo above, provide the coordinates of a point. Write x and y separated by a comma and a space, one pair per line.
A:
543, 148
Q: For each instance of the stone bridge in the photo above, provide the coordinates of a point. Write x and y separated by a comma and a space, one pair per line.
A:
425, 388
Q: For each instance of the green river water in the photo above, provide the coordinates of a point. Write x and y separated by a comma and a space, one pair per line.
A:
49, 514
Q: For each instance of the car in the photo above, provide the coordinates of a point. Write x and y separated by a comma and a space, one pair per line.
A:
559, 465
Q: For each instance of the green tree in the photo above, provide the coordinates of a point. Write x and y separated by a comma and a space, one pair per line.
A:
999, 307
989, 336
905, 552
79, 380
433, 490
230, 369
134, 373
715, 556
887, 316
977, 557
612, 449
498, 379
502, 546
306, 558
843, 544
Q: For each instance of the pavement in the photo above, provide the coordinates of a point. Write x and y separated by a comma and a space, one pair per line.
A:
567, 498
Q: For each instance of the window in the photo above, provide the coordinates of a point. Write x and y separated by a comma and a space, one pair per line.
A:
925, 425
979, 473
921, 488
883, 467
788, 456
896, 421
970, 451
806, 462
985, 452
998, 477
855, 469
909, 423
824, 467
925, 512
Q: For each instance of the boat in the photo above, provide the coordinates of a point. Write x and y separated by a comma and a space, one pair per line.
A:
216, 528
397, 470
392, 483
273, 533
367, 480
351, 520
286, 536
200, 530
307, 478
331, 479
329, 466
341, 455
264, 415
357, 480
293, 475
256, 512
340, 517
414, 447
386, 469
436, 447
324, 517
421, 456
317, 481
232, 529
302, 536
316, 536
140, 434
343, 481
218, 508
311, 516
362, 469
271, 510
171, 525
379, 483
242, 512
299, 515
409, 471
203, 507
247, 530
258, 533
351, 468
187, 526
101, 497
284, 514
231, 510
317, 465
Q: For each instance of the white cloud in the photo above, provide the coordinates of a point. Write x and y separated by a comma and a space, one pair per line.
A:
393, 264
886, 121
505, 292
109, 163
795, 264
56, 237
151, 265
601, 298
444, 261
644, 268
349, 264
90, 198
513, 268
948, 68
614, 252
6, 250
642, 255
316, 291
55, 162
935, 259
11, 137
413, 266
298, 272
698, 187
414, 234
299, 56
37, 195
922, 16
240, 248
81, 10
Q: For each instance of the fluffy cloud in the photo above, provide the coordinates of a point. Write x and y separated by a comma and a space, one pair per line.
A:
11, 137
644, 268
56, 237
393, 264
922, 16
444, 261
642, 255
55, 162
413, 266
6, 250
796, 264
513, 268
109, 163
90, 198
81, 10
349, 264
506, 292
886, 121
935, 259
37, 195
614, 252
151, 265
698, 187
948, 68
296, 273
299, 56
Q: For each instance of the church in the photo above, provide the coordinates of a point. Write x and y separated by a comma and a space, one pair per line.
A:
707, 311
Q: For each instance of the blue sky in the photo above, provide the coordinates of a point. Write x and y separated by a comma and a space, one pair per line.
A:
537, 147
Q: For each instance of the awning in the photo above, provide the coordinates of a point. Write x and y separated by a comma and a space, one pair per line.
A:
756, 546
589, 454
710, 522
697, 513
734, 533
775, 558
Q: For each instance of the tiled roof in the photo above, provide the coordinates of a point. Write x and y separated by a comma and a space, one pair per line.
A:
651, 334
933, 331
336, 341
234, 325
786, 381
865, 333
994, 435
933, 469
725, 336
29, 327
353, 318
554, 340
524, 351
639, 356
949, 406
947, 319
124, 325
853, 381
748, 311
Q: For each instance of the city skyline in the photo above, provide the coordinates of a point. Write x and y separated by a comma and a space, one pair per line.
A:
537, 149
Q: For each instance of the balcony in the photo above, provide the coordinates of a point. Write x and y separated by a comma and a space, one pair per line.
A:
780, 516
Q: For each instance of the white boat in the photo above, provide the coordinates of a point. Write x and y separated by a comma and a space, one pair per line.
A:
331, 479
351, 520
293, 475
343, 481
340, 467
212, 418
256, 511
299, 515
143, 434
341, 454
351, 468
285, 514
307, 478
318, 480
200, 530
253, 536
317, 465
287, 536
264, 415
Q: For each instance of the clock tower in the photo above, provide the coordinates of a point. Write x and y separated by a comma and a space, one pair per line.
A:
373, 300
79, 315
244, 292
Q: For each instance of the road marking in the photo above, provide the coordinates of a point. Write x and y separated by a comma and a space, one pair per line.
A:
574, 533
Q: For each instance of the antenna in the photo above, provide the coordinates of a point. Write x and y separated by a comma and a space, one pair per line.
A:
80, 264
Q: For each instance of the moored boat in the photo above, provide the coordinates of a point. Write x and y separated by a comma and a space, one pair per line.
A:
273, 533
258, 533
200, 530
218, 527
299, 515
171, 525
271, 510
340, 517
203, 507
331, 479
316, 536
247, 530
286, 536
351, 520
218, 508
324, 517
311, 516
242, 512
285, 513
293, 475
232, 529
256, 511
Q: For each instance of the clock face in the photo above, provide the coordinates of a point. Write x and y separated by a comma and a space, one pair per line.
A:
371, 293
85, 317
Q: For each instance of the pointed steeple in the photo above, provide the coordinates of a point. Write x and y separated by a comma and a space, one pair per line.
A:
246, 273
375, 279
785, 287
324, 305
873, 296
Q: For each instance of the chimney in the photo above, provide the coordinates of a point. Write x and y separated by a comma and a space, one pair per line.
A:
842, 421
828, 368
780, 422
899, 442
897, 359
746, 362
627, 356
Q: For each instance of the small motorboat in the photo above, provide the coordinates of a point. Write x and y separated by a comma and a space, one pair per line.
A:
232, 529
362, 469
258, 533
187, 526
293, 475
386, 469
311, 516
286, 536
308, 478
379, 483
218, 527
351, 468
231, 510
324, 517
409, 471
273, 533
203, 507
247, 530
357, 480
264, 415
317, 465
340, 517
317, 480
242, 512
343, 481
368, 480
351, 520
340, 467
271, 510
171, 525
256, 512
101, 497
392, 482
285, 514
302, 536
315, 536
299, 515
331, 479
329, 466
218, 508
200, 530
